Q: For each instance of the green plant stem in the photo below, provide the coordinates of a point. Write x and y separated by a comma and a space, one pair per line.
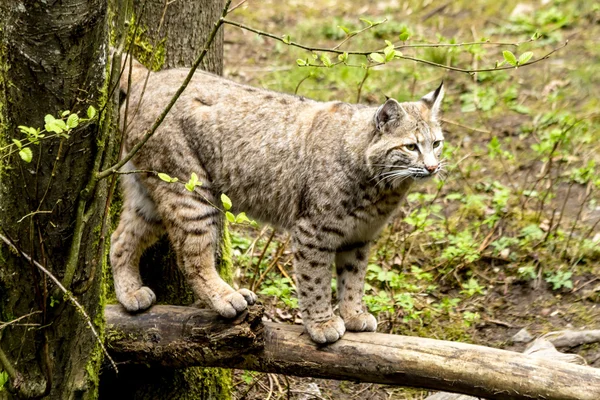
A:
111, 170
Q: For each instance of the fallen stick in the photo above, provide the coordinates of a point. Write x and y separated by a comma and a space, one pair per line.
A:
183, 336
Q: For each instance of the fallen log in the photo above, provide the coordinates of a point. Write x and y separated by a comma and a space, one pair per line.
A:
183, 336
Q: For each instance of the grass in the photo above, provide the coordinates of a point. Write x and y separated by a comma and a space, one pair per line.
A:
513, 233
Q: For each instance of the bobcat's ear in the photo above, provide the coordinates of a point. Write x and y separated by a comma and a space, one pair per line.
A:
433, 100
389, 111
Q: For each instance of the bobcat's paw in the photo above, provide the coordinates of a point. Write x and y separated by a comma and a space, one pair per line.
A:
138, 300
234, 303
248, 295
327, 331
363, 322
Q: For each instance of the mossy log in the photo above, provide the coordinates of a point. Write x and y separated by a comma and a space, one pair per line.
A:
177, 336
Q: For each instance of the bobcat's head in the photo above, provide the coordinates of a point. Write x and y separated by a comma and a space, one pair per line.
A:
408, 140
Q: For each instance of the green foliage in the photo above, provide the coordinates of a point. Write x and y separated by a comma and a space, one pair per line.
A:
193, 182
472, 287
281, 289
461, 248
61, 127
167, 178
3, 380
560, 279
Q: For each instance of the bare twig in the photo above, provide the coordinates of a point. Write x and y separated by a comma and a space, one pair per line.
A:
73, 300
236, 6
5, 324
262, 256
471, 128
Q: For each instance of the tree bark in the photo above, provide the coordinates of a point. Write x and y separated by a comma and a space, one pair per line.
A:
183, 32
52, 58
175, 336
182, 35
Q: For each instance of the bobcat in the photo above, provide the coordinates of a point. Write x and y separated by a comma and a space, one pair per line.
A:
330, 173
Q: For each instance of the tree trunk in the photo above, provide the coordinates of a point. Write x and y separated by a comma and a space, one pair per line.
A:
52, 58
184, 30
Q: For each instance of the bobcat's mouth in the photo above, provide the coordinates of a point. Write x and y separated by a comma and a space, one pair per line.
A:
419, 174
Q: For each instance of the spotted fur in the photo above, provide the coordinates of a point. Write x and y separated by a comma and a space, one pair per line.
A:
331, 173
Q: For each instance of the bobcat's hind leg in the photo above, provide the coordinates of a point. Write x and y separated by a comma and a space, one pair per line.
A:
191, 222
139, 228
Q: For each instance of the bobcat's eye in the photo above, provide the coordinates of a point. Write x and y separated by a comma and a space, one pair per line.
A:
410, 147
436, 144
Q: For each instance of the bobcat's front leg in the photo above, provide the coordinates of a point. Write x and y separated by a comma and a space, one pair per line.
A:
191, 222
313, 258
351, 266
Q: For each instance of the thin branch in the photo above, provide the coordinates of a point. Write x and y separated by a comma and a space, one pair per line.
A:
366, 53
486, 42
236, 6
73, 300
6, 324
351, 35
447, 121
111, 170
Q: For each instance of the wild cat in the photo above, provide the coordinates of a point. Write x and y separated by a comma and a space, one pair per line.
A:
332, 174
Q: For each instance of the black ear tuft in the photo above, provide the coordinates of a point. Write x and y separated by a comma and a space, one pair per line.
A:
389, 111
433, 100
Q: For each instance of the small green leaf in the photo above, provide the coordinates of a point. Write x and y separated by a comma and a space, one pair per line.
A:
326, 60
230, 217
26, 154
24, 129
523, 58
91, 112
366, 21
241, 218
226, 201
18, 143
65, 113
53, 127
404, 36
301, 62
510, 57
166, 177
346, 30
49, 118
389, 52
193, 182
343, 57
536, 35
377, 58
286, 39
500, 63
72, 121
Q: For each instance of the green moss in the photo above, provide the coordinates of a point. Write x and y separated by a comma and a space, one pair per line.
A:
4, 137
226, 266
94, 363
152, 56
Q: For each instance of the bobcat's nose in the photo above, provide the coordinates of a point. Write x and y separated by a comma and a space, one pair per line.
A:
431, 168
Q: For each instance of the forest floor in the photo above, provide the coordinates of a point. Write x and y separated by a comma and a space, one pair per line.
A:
511, 238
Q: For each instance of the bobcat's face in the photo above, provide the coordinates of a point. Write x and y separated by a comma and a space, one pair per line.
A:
408, 141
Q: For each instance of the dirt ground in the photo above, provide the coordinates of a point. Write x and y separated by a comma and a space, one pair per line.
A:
520, 204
